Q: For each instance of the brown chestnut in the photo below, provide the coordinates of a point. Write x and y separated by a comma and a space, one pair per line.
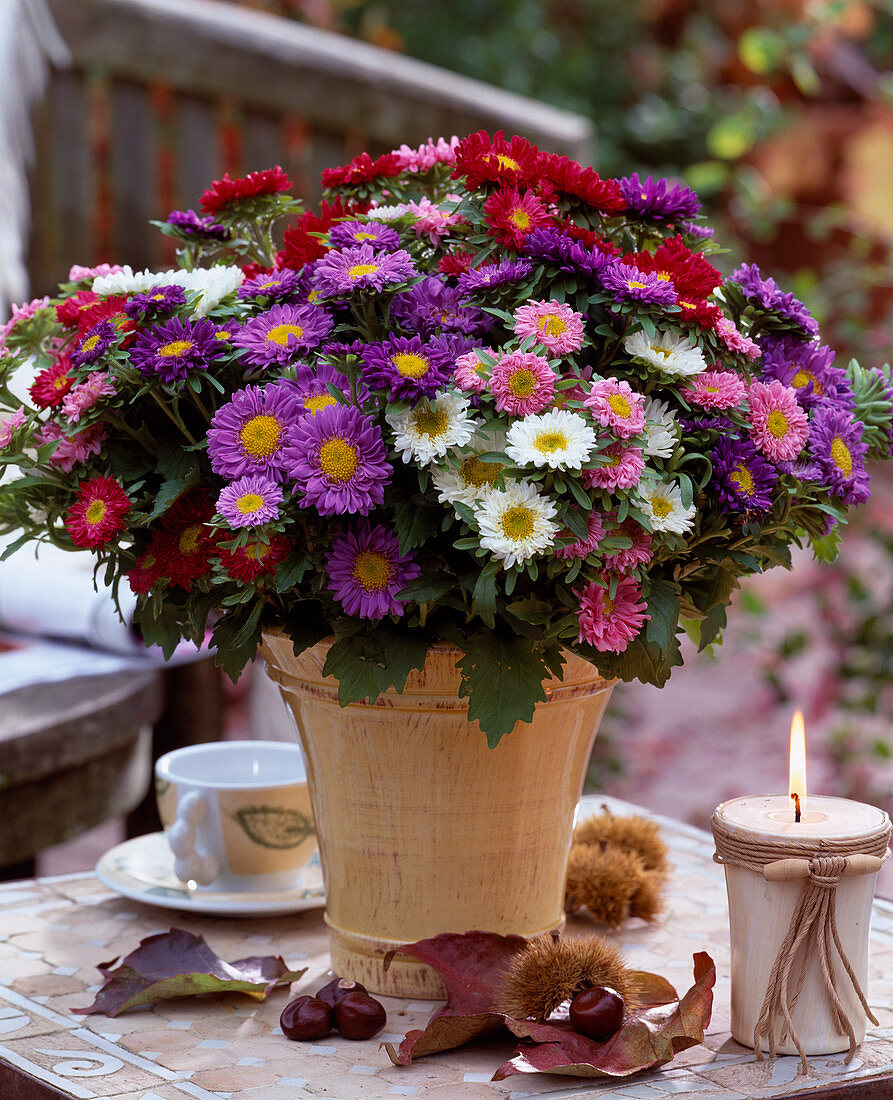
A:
597, 1012
306, 1018
337, 987
359, 1016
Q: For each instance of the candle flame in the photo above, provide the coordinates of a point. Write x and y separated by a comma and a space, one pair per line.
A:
797, 774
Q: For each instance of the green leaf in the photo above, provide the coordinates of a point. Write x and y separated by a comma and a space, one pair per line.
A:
826, 547
414, 523
291, 572
503, 678
429, 586
663, 607
169, 492
366, 667
237, 635
484, 596
173, 462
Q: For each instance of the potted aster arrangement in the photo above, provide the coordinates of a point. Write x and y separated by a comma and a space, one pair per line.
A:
480, 436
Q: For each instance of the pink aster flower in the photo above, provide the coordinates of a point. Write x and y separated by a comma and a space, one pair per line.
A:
611, 624
74, 450
434, 221
21, 313
623, 470
522, 383
778, 426
640, 553
84, 396
472, 374
426, 156
77, 273
727, 331
615, 405
716, 389
250, 501
582, 548
366, 571
554, 325
10, 425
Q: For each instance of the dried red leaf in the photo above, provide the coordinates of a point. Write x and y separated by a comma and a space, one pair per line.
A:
180, 964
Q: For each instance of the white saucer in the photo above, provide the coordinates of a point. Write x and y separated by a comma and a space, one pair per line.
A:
143, 869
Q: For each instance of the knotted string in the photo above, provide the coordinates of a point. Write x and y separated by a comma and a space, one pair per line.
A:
812, 930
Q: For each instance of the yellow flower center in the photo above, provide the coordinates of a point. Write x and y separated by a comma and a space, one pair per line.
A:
90, 343
95, 512
522, 383
430, 422
664, 353
364, 235
475, 473
279, 334
158, 297
249, 502
189, 538
550, 442
518, 522
620, 405
372, 570
176, 349
507, 162
841, 456
711, 389
551, 325
607, 606
520, 218
260, 436
359, 270
633, 284
742, 477
222, 335
60, 382
803, 377
411, 366
687, 305
338, 459
661, 507
319, 401
777, 423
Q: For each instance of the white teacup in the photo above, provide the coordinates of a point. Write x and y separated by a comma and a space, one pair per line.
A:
237, 815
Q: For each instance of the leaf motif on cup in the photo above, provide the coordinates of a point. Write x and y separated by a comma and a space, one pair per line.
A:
275, 826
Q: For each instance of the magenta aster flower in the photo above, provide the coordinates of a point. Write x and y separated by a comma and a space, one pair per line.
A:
622, 470
640, 553
155, 302
343, 272
250, 501
629, 284
471, 373
171, 350
366, 571
9, 425
84, 396
555, 326
281, 334
354, 233
616, 406
408, 367
522, 383
742, 479
778, 426
98, 513
433, 306
94, 344
249, 434
835, 442
659, 198
582, 548
339, 461
74, 450
715, 389
280, 285
808, 368
610, 624
767, 295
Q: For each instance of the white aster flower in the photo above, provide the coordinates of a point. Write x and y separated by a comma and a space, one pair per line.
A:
387, 213
468, 479
516, 522
661, 434
662, 502
560, 439
670, 352
428, 430
211, 284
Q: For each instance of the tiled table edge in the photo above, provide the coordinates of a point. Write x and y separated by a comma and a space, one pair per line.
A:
91, 1046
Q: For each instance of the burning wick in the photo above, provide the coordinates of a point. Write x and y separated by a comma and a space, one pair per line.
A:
796, 798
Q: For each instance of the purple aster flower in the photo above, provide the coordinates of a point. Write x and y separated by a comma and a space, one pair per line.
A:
366, 571
94, 345
659, 198
351, 234
809, 369
551, 246
278, 285
701, 232
835, 443
310, 387
171, 350
431, 306
408, 367
694, 424
250, 501
249, 434
742, 479
768, 296
338, 349
191, 225
280, 334
341, 273
160, 299
491, 276
339, 461
629, 284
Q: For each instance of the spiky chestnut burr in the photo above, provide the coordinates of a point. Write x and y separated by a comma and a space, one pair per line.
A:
631, 832
612, 884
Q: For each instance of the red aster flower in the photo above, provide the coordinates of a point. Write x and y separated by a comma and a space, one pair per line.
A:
223, 193
146, 571
98, 513
581, 183
455, 263
511, 214
362, 169
52, 384
482, 159
103, 309
300, 245
251, 271
698, 312
691, 275
247, 563
183, 543
590, 239
69, 311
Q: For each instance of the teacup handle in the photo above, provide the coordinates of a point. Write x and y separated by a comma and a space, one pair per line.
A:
191, 864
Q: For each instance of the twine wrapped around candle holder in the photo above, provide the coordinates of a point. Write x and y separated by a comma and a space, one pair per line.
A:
820, 863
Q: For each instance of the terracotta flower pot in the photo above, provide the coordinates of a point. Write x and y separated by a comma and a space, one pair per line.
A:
424, 829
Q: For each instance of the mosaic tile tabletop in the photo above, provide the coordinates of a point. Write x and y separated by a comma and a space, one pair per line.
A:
54, 931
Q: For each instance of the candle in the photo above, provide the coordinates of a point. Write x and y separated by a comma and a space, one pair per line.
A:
765, 843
